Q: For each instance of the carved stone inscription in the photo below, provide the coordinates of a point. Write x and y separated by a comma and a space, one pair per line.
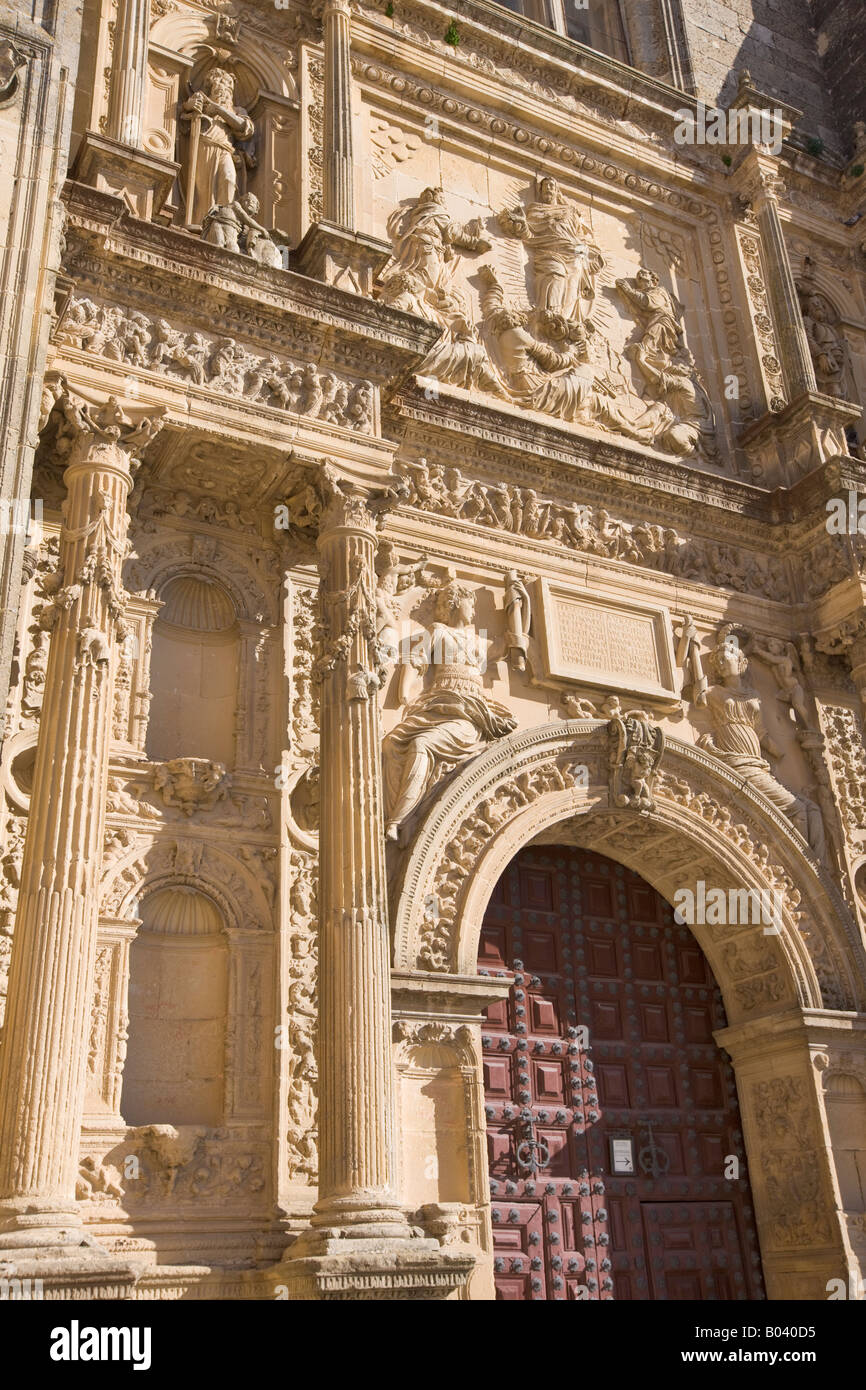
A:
599, 641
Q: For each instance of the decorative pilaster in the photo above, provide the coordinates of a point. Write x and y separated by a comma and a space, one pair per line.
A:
339, 191
43, 1062
129, 71
794, 438
116, 162
761, 186
360, 1237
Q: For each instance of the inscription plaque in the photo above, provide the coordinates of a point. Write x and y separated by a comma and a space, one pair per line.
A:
606, 642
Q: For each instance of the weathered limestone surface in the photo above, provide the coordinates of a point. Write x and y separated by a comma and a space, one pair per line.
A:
506, 493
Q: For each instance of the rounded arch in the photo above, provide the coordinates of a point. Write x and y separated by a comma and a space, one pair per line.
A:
193, 36
231, 885
153, 568
706, 824
177, 1008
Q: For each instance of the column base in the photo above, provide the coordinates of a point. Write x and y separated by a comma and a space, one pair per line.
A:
787, 445
349, 260
348, 1268
46, 1253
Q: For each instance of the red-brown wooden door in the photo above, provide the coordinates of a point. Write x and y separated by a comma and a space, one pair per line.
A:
607, 1036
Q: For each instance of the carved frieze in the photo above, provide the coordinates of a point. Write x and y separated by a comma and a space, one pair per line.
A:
217, 364
590, 530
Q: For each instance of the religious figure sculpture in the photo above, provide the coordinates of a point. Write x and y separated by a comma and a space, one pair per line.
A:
518, 615
740, 738
451, 721
235, 228
551, 374
826, 344
564, 260
660, 355
216, 126
425, 239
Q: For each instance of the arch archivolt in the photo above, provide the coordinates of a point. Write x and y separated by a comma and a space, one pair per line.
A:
169, 863
552, 782
153, 566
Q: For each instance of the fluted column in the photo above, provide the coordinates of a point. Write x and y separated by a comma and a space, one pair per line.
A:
761, 186
339, 192
42, 1065
356, 1123
129, 71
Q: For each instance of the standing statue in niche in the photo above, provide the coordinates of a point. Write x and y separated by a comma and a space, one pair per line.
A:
216, 127
451, 721
826, 344
564, 260
740, 738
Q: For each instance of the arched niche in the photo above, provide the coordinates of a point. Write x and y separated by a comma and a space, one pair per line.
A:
174, 1071
194, 673
182, 46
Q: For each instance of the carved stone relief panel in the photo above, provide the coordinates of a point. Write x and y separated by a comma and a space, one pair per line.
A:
533, 312
522, 511
217, 364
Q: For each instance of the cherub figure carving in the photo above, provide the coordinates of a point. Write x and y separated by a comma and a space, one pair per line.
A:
235, 228
781, 657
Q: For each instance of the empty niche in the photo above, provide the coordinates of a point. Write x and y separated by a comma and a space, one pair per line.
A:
174, 1071
194, 673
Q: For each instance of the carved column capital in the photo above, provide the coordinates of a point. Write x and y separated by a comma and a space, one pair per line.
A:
79, 434
758, 181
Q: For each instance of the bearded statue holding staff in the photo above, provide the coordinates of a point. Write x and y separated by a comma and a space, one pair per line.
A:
216, 125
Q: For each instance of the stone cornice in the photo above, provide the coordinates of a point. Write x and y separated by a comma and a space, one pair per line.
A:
501, 434
191, 275
522, 45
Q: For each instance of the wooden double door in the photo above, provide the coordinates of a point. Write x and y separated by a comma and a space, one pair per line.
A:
617, 1167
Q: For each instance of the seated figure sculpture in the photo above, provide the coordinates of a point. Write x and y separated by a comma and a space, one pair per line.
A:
451, 721
545, 361
739, 739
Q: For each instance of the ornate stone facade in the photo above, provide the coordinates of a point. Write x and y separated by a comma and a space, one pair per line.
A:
436, 456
